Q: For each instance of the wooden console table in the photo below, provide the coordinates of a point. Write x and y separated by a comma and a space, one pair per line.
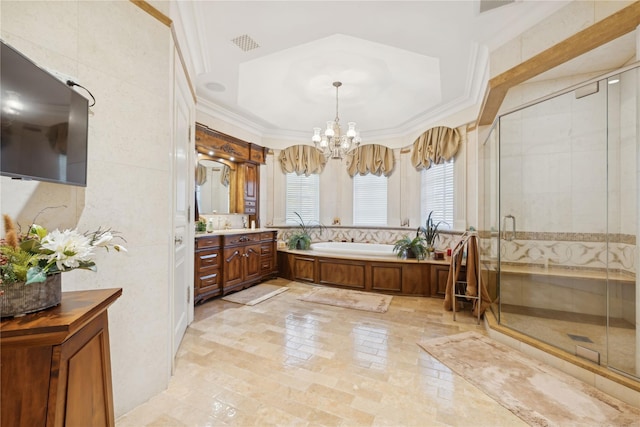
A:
55, 364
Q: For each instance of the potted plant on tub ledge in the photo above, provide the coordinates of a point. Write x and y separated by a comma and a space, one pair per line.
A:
411, 248
430, 233
301, 239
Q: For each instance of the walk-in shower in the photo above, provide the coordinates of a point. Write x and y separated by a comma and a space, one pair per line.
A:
559, 220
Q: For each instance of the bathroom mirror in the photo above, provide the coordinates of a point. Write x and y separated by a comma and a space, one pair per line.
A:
214, 180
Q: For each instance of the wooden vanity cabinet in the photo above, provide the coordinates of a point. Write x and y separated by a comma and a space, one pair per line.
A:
208, 280
268, 259
241, 261
230, 262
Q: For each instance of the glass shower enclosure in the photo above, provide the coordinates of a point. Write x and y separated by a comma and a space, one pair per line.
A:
559, 220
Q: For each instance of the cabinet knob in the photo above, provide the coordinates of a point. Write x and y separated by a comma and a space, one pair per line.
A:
177, 240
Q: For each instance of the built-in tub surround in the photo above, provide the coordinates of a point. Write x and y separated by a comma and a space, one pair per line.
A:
369, 267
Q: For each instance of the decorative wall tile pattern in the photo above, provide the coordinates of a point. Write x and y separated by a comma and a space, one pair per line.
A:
593, 252
615, 252
368, 235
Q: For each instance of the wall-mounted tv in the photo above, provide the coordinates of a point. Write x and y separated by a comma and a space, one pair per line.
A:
44, 123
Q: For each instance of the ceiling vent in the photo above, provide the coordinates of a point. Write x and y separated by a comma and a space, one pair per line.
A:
486, 5
245, 42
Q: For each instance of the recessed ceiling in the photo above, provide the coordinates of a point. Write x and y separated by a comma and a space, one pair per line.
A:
371, 74
403, 65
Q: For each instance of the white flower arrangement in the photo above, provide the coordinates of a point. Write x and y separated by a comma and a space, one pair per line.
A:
30, 258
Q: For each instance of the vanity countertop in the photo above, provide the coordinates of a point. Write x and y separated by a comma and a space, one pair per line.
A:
232, 231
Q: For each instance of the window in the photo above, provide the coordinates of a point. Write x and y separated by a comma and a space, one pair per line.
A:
369, 200
437, 194
303, 198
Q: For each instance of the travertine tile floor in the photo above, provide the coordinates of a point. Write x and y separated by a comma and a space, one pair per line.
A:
293, 363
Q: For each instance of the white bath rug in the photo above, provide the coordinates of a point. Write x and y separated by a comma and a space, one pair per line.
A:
256, 294
537, 393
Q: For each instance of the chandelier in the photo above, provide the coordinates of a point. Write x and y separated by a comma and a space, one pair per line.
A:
333, 143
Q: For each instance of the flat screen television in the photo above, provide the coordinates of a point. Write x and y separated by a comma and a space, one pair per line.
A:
44, 123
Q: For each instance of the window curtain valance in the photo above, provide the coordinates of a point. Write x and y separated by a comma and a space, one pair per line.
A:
201, 175
435, 146
302, 159
372, 158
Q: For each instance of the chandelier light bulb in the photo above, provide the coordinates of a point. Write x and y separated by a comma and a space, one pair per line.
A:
324, 143
329, 131
351, 133
316, 135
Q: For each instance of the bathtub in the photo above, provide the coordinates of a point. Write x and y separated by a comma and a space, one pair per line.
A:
350, 248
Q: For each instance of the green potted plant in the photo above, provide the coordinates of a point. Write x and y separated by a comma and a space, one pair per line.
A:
430, 232
301, 239
411, 248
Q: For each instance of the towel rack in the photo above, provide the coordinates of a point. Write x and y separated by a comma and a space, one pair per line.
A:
459, 288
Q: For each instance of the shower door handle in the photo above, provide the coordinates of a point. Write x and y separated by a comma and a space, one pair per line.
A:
509, 236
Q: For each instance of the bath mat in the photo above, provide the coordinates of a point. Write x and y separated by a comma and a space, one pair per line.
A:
256, 294
537, 393
357, 300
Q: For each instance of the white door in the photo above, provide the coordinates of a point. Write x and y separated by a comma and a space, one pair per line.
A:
182, 285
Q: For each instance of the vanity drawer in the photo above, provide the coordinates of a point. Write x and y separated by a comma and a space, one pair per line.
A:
266, 250
268, 235
207, 259
266, 265
209, 282
239, 239
249, 206
207, 242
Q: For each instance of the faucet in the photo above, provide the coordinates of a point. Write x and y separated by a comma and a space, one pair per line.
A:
244, 222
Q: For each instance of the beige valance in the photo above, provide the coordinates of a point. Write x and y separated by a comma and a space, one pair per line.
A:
201, 175
302, 159
371, 158
435, 146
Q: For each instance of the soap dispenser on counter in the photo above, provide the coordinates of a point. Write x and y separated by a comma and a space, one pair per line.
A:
210, 225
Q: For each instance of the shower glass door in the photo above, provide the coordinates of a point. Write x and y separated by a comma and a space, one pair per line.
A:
560, 185
553, 221
622, 158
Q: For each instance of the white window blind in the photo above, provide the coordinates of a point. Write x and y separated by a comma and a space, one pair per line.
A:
437, 194
369, 200
303, 197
